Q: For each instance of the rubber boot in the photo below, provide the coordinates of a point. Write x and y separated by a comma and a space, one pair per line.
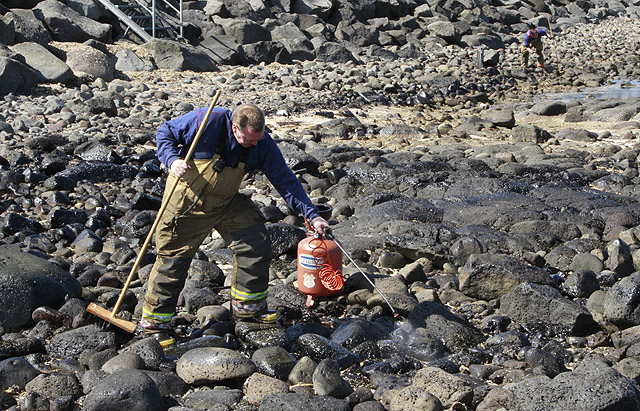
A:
159, 331
253, 311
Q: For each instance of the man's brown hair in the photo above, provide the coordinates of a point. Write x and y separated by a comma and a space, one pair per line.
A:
248, 115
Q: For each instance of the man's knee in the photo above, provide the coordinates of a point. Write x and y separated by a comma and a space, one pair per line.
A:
252, 243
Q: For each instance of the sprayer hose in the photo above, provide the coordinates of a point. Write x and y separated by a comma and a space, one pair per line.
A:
331, 279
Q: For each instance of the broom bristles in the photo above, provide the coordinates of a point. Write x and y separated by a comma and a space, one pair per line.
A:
107, 315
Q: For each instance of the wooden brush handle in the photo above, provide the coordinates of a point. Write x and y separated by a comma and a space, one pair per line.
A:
163, 208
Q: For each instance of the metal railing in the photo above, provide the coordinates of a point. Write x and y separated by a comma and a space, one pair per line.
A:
169, 21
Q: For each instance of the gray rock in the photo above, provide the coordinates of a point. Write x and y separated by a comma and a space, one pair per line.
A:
28, 282
407, 399
629, 367
80, 340
622, 112
16, 371
333, 52
621, 304
265, 51
52, 386
65, 24
464, 247
586, 262
490, 276
13, 223
419, 344
595, 305
211, 314
20, 346
402, 131
508, 341
581, 284
302, 401
92, 62
530, 133
562, 255
245, 31
577, 135
491, 41
95, 360
207, 365
302, 372
619, 259
297, 159
534, 304
128, 60
95, 150
92, 378
261, 335
445, 30
627, 337
197, 294
206, 341
223, 49
274, 362
594, 385
500, 117
454, 331
415, 271
327, 380
404, 209
86, 8
284, 237
128, 389
15, 76
257, 386
549, 108
544, 362
28, 28
124, 361
318, 348
168, 383
209, 399
294, 41
206, 271
448, 388
320, 8
357, 33
351, 333
42, 61
176, 56
60, 216
98, 172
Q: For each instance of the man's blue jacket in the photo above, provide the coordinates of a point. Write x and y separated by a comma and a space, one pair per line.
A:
174, 137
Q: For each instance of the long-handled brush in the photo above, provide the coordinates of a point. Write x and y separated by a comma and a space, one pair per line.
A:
110, 316
553, 38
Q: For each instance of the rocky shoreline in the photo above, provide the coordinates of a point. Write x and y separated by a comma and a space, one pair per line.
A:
503, 226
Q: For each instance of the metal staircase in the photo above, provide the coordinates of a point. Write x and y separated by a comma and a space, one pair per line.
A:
149, 19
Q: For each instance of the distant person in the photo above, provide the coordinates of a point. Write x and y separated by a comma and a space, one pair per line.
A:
532, 44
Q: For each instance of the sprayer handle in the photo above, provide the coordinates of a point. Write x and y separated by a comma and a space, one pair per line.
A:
328, 233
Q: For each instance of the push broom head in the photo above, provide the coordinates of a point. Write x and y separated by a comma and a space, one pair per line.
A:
108, 316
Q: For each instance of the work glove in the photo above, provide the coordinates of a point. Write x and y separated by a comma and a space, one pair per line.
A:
320, 224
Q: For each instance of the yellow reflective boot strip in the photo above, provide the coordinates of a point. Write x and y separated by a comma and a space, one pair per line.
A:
243, 296
160, 317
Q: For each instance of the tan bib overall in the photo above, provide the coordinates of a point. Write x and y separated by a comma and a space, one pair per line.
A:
206, 200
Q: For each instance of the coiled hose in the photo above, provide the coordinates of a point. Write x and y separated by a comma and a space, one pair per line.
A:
331, 279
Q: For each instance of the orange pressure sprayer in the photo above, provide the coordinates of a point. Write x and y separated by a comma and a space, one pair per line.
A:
319, 267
